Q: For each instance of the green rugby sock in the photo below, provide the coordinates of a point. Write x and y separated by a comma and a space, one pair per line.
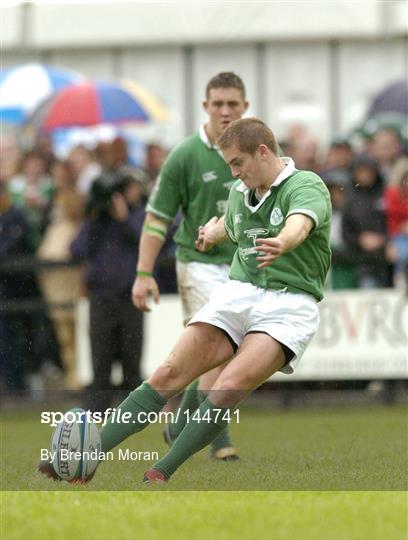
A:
223, 440
142, 400
195, 436
189, 402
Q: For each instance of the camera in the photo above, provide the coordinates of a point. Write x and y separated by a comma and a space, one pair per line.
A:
102, 190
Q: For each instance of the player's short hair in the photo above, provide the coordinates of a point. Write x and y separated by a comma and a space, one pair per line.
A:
226, 79
247, 134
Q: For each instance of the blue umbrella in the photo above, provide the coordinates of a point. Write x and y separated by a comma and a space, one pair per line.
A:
24, 87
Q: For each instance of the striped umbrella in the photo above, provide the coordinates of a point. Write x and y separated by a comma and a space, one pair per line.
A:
99, 102
23, 88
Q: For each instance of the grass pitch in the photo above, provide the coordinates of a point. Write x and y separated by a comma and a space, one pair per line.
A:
204, 516
314, 474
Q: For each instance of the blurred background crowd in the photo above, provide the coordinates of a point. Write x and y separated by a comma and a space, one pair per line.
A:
70, 228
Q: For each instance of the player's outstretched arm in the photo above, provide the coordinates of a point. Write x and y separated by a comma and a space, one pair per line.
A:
151, 242
295, 231
211, 234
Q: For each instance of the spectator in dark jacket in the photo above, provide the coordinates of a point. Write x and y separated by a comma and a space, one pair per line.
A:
26, 337
364, 227
108, 245
342, 271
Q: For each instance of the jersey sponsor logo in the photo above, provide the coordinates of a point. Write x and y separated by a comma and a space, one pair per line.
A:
252, 234
245, 252
276, 216
237, 219
209, 176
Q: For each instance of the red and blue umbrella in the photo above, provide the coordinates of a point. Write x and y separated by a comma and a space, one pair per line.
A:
25, 87
98, 102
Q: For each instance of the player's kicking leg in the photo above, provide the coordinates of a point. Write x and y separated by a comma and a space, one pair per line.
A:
195, 283
256, 360
221, 448
200, 348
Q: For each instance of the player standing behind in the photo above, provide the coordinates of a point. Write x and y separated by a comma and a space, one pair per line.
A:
196, 179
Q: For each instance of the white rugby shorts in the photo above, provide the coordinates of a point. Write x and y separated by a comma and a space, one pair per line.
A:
239, 308
196, 281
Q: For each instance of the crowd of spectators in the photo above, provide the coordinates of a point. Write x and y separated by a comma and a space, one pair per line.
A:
369, 192
70, 228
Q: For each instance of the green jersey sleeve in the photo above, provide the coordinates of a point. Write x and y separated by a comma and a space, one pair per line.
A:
308, 196
168, 194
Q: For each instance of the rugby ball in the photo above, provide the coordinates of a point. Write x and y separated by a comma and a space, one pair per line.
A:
76, 446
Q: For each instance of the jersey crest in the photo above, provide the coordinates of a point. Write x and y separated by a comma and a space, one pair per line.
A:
276, 216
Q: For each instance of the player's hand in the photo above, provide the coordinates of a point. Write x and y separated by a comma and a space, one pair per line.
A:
207, 235
269, 250
143, 288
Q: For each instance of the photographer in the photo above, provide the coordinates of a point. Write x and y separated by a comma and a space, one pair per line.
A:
107, 244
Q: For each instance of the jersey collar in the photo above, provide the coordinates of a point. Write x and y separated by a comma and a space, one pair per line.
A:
204, 138
287, 171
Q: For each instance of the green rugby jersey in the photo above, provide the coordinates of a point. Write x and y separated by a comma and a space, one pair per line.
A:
302, 270
196, 179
